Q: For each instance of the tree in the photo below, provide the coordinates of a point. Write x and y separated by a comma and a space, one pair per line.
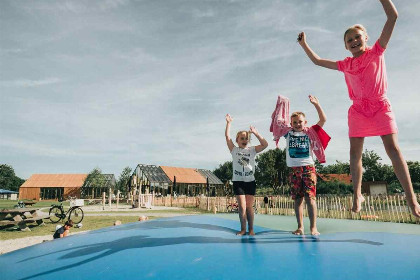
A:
373, 168
224, 171
414, 169
337, 168
8, 179
122, 182
95, 179
333, 187
271, 170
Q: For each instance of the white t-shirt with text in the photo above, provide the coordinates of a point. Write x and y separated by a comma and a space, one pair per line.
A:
298, 149
243, 163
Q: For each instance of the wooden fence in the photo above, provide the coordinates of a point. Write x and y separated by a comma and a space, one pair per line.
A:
390, 208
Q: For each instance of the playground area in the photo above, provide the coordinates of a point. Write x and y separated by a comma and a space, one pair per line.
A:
206, 247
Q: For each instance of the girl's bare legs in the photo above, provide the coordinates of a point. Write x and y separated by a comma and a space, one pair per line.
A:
356, 170
250, 213
401, 170
242, 213
299, 215
312, 212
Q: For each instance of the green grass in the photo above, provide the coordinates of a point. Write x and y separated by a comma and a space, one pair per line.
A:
89, 223
9, 204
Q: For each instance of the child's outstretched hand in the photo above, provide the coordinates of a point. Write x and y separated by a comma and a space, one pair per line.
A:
229, 119
313, 100
301, 39
253, 130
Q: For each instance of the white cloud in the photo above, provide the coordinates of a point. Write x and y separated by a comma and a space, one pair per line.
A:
30, 83
11, 51
208, 13
317, 29
72, 6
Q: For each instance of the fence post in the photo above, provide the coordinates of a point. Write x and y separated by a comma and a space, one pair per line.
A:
109, 198
382, 217
319, 206
103, 201
340, 208
373, 208
368, 212
118, 198
399, 208
337, 210
390, 209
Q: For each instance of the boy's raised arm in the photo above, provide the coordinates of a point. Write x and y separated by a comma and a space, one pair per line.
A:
313, 56
227, 133
321, 114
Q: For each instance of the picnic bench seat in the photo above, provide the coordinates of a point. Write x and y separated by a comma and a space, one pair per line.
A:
21, 217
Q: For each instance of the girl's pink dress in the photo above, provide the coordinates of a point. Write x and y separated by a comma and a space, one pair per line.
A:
370, 114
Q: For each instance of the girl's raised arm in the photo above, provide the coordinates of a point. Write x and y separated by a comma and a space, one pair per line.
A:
313, 56
227, 133
263, 143
391, 15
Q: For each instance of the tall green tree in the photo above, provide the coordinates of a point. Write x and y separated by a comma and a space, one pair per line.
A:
93, 180
414, 169
271, 170
224, 171
373, 170
8, 178
337, 168
123, 179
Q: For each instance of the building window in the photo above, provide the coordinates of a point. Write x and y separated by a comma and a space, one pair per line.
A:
51, 193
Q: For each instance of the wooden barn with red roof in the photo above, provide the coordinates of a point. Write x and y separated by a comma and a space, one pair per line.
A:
56, 186
51, 186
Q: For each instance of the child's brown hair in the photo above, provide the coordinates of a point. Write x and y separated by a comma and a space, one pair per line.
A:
296, 114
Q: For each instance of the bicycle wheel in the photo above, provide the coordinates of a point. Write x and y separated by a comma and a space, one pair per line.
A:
76, 215
56, 214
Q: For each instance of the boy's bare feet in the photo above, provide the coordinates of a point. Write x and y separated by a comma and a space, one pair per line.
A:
299, 231
251, 232
242, 232
357, 203
314, 231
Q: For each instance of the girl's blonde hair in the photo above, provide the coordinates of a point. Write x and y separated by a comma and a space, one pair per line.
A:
248, 135
353, 27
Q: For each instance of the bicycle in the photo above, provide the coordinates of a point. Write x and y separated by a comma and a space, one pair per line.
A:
20, 204
57, 213
234, 207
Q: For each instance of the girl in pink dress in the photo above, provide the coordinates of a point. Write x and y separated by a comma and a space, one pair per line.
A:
371, 113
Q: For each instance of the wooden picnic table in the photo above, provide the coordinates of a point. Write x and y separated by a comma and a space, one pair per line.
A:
21, 217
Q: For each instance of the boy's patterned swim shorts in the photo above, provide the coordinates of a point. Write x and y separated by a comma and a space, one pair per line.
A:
303, 181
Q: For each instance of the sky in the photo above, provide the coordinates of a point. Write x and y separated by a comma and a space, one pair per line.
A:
114, 83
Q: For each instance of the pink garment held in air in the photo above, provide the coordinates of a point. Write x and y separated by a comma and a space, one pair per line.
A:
280, 126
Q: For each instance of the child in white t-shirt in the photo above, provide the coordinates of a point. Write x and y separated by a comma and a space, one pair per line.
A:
243, 163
